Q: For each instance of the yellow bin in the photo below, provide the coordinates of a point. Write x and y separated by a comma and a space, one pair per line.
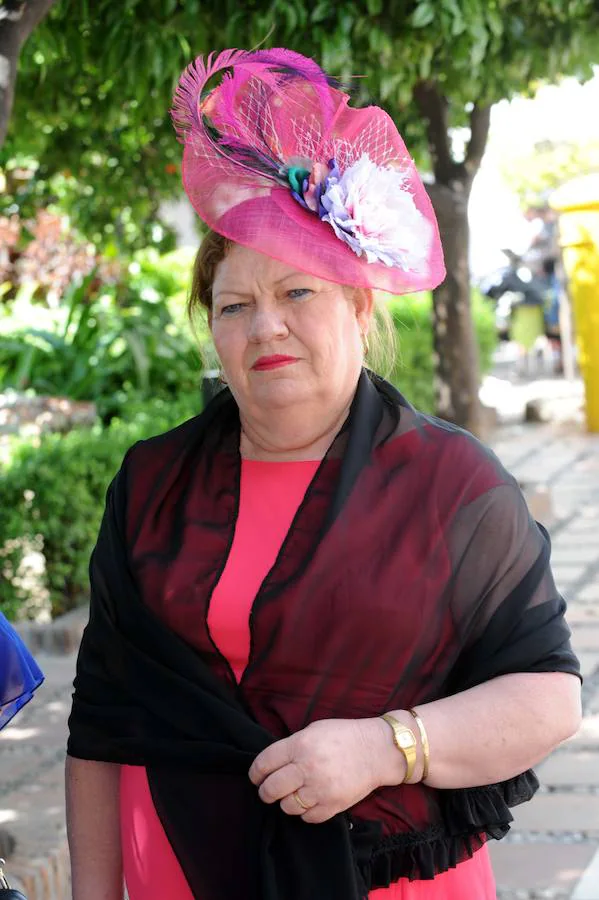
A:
578, 205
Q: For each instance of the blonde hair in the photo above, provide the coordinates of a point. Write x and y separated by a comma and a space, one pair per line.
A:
382, 338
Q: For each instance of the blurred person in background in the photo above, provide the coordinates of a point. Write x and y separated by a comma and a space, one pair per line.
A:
552, 313
526, 327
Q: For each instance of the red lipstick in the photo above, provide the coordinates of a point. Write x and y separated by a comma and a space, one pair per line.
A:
272, 362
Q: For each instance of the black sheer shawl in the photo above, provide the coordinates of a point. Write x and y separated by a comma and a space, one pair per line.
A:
411, 571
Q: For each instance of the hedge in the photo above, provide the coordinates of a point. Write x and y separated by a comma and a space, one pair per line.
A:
51, 501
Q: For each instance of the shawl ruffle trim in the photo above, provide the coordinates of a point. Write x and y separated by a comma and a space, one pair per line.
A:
471, 817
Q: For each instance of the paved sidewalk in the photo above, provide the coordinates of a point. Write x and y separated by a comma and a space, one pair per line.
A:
32, 752
555, 840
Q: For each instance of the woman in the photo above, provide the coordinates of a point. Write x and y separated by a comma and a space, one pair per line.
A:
20, 675
325, 646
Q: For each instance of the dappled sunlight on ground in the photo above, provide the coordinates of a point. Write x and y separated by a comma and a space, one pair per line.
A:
14, 733
8, 815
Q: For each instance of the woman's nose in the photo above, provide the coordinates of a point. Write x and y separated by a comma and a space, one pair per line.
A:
267, 324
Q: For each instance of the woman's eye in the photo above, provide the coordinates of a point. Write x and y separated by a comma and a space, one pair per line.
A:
231, 309
298, 293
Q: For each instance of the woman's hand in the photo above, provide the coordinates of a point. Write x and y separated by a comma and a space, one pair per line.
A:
326, 768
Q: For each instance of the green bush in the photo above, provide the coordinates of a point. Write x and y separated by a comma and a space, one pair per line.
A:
107, 340
51, 501
413, 372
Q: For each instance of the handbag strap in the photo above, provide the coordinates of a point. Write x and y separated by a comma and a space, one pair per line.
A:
5, 888
3, 882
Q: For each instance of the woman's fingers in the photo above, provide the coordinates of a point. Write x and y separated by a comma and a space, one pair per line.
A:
287, 786
275, 757
317, 815
298, 803
281, 783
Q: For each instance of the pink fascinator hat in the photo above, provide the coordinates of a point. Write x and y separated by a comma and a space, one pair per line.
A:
275, 159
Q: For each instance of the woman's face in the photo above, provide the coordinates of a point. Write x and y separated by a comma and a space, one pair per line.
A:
284, 337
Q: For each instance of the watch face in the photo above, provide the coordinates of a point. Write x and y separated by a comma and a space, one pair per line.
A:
405, 741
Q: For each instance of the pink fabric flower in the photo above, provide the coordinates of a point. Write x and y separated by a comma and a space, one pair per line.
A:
371, 208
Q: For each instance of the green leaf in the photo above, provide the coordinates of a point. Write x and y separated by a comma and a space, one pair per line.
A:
321, 11
374, 7
495, 21
185, 45
452, 7
425, 61
24, 367
479, 47
157, 63
423, 15
54, 340
291, 16
389, 85
142, 361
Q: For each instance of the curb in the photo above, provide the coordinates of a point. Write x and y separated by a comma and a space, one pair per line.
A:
57, 638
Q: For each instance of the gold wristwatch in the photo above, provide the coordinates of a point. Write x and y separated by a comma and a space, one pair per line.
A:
405, 741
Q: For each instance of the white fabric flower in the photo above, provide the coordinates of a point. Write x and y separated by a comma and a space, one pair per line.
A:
371, 208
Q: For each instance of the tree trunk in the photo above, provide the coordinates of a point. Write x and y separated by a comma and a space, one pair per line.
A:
457, 372
18, 18
457, 377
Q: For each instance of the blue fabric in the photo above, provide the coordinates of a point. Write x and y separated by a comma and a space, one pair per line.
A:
19, 673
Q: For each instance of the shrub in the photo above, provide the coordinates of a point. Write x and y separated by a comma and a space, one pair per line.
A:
51, 502
412, 317
107, 340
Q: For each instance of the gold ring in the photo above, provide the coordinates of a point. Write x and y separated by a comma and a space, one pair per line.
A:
300, 801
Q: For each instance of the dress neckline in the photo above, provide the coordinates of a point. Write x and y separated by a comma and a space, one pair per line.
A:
283, 463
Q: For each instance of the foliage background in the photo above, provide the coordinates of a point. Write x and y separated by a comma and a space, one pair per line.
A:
535, 174
105, 342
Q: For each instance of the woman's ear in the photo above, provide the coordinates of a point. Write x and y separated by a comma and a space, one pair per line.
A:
364, 304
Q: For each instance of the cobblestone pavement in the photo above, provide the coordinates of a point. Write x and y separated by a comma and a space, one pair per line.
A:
555, 839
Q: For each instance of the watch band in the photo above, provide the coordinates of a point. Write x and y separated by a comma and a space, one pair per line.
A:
405, 741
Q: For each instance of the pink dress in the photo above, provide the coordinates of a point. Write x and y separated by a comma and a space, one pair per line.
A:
270, 496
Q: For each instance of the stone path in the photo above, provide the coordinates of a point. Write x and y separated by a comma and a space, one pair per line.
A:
553, 849
555, 839
32, 751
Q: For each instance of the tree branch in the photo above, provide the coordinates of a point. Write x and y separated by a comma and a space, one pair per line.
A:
35, 11
480, 121
433, 107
